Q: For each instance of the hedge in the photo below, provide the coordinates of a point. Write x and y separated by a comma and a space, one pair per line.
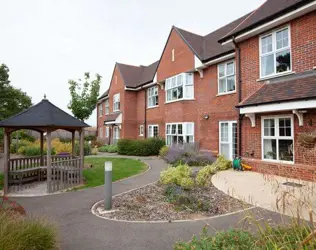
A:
145, 147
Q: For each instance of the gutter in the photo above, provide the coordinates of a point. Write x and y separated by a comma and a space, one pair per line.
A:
240, 118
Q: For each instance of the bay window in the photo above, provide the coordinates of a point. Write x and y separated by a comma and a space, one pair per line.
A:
180, 87
116, 102
179, 133
226, 77
277, 138
152, 97
275, 53
153, 131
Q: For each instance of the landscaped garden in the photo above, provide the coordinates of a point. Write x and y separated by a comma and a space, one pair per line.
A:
182, 192
122, 168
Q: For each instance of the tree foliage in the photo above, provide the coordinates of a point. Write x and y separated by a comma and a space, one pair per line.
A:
12, 100
84, 96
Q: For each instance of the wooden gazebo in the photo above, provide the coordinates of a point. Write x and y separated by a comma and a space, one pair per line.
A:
61, 172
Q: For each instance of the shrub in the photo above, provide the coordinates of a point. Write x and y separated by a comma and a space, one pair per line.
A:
205, 173
22, 135
86, 149
10, 206
21, 233
187, 183
61, 147
35, 151
232, 239
90, 137
177, 175
144, 147
163, 151
65, 139
108, 149
188, 154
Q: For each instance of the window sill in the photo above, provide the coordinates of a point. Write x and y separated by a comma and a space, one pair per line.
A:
153, 107
278, 161
116, 111
181, 100
276, 76
227, 93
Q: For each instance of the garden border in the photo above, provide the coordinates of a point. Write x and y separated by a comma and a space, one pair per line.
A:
57, 193
93, 211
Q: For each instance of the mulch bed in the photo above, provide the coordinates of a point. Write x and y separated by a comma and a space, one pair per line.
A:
149, 203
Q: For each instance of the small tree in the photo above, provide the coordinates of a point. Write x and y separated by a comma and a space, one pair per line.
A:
84, 96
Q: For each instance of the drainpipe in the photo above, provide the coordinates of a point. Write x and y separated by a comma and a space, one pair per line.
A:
145, 119
240, 119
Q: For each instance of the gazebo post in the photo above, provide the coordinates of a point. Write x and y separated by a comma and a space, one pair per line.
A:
49, 162
73, 138
81, 154
6, 160
42, 148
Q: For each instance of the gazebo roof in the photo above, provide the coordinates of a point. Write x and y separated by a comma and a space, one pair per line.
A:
43, 114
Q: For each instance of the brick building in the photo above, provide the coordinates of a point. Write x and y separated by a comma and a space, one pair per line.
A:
248, 88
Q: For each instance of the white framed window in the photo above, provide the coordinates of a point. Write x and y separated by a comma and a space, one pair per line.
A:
228, 139
100, 132
100, 109
107, 107
179, 133
116, 102
172, 55
107, 132
277, 134
275, 53
116, 134
152, 97
180, 87
141, 130
153, 131
226, 78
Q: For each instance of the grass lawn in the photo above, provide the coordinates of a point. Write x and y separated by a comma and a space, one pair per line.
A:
122, 168
1, 181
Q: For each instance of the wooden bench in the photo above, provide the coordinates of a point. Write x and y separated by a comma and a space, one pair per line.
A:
27, 175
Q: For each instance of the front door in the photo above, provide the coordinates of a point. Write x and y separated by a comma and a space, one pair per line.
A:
228, 139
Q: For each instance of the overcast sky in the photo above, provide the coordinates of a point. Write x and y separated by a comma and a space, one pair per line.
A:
47, 42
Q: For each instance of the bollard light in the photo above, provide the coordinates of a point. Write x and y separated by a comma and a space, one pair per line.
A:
108, 185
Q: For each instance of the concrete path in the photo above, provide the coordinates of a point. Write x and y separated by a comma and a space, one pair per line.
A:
79, 229
269, 191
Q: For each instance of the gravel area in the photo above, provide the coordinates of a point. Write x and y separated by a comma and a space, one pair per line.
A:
150, 203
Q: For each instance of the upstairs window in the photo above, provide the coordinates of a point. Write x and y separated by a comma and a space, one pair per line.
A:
100, 109
226, 78
152, 95
275, 53
180, 87
116, 102
107, 107
179, 133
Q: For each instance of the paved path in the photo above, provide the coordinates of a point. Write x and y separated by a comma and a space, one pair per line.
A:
79, 229
264, 191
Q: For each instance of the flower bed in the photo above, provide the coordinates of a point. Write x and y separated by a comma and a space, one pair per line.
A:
158, 202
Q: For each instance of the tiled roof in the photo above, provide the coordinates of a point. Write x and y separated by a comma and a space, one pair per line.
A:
43, 114
207, 47
297, 87
111, 117
269, 10
105, 94
134, 76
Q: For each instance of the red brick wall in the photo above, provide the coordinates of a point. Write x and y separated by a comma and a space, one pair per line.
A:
184, 58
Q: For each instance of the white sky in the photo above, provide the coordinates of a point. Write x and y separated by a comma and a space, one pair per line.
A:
47, 42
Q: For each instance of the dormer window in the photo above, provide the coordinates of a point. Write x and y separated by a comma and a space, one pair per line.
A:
275, 53
180, 87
